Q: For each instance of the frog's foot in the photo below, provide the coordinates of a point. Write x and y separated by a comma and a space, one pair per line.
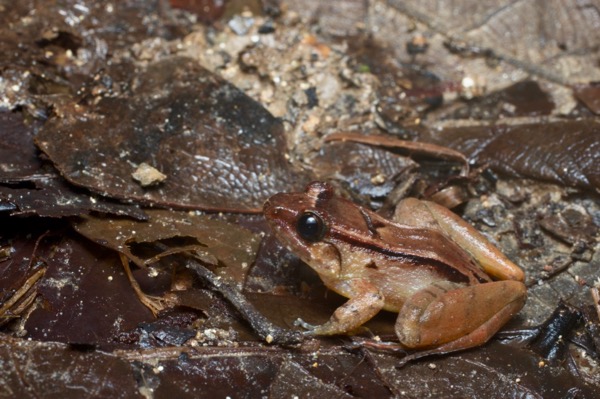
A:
475, 338
307, 326
377, 345
312, 330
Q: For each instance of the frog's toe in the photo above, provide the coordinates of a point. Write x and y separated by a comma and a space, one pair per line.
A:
308, 327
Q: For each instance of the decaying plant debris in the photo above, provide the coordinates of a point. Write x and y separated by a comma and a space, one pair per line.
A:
235, 101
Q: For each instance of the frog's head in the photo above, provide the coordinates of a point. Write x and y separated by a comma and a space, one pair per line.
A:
301, 221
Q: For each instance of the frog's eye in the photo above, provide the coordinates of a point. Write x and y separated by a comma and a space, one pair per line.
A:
311, 227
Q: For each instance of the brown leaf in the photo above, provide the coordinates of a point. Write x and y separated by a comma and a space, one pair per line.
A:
512, 373
367, 170
51, 196
33, 370
84, 297
522, 99
30, 187
232, 246
18, 155
545, 41
293, 378
219, 149
566, 152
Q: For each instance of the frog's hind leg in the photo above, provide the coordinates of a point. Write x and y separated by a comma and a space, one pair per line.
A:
430, 215
444, 318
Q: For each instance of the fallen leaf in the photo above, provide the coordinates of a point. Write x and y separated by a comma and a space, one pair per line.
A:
230, 246
219, 149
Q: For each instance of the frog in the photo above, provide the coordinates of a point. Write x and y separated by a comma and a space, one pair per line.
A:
451, 287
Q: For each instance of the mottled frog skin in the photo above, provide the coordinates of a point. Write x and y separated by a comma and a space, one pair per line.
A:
451, 287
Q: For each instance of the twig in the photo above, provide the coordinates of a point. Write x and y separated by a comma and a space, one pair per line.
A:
259, 323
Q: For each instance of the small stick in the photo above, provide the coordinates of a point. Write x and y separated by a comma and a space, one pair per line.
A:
29, 283
259, 323
414, 147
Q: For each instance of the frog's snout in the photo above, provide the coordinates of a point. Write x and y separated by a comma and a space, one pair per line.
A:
270, 208
273, 201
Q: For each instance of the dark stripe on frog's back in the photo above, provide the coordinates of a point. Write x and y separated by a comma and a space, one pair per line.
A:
356, 225
420, 247
444, 270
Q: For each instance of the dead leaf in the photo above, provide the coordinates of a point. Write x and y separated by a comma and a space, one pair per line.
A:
219, 149
231, 246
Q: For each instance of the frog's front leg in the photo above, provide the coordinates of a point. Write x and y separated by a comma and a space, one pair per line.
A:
449, 318
365, 302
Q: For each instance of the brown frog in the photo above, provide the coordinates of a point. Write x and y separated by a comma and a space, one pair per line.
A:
430, 266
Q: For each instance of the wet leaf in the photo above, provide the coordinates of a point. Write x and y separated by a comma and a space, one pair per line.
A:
30, 371
293, 378
53, 197
30, 187
18, 155
219, 149
83, 297
566, 152
513, 373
